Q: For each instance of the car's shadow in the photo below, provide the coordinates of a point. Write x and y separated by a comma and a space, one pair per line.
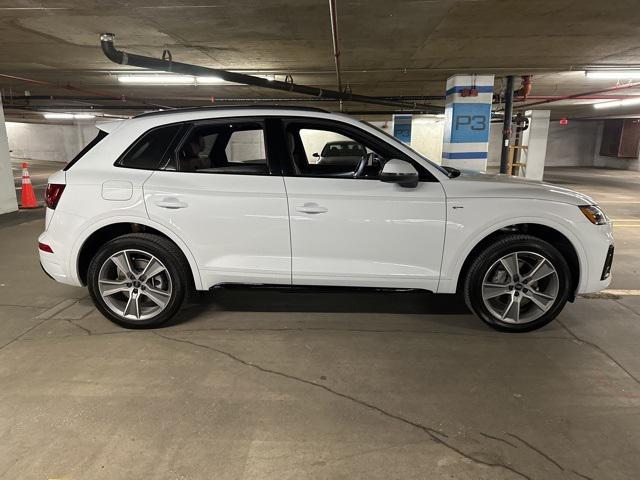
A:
322, 300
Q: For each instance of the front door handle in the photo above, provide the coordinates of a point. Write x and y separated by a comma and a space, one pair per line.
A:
171, 203
312, 208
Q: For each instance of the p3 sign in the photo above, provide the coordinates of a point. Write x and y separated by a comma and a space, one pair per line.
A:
476, 122
470, 122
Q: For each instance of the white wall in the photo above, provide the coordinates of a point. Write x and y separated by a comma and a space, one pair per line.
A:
55, 142
570, 145
7, 191
426, 135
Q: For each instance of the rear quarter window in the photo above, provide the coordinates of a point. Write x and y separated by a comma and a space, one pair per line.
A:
149, 151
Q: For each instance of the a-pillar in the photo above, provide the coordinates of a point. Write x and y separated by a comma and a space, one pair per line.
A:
8, 201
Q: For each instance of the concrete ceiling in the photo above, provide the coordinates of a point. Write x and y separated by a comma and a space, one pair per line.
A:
401, 48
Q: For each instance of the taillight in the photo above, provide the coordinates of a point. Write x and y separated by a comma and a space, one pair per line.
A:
54, 192
44, 247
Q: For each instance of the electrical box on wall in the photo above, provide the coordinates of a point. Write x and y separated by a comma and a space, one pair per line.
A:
620, 138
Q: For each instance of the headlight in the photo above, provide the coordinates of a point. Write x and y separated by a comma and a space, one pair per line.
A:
594, 214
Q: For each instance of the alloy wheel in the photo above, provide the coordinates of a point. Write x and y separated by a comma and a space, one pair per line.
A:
135, 284
520, 287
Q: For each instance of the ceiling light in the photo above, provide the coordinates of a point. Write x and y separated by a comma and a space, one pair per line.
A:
175, 79
67, 116
613, 74
617, 103
157, 79
270, 77
209, 80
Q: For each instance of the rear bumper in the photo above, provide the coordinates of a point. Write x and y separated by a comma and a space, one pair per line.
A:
55, 264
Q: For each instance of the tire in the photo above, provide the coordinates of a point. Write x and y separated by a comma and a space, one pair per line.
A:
140, 301
492, 282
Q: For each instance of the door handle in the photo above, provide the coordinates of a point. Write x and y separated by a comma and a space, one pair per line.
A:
171, 203
312, 208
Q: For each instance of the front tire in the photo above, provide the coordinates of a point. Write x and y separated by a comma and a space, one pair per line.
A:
518, 284
138, 280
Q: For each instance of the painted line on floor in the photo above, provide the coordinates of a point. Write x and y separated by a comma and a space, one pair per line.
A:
56, 308
622, 293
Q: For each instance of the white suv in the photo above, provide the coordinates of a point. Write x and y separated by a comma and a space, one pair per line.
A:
168, 202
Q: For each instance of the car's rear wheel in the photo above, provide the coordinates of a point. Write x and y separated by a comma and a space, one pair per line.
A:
517, 284
138, 280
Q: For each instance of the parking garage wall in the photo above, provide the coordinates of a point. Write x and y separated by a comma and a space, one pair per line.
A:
58, 143
570, 145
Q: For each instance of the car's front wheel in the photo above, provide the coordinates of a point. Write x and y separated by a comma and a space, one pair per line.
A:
517, 284
138, 280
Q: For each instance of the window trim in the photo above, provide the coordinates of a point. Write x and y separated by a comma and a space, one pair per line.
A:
353, 132
86, 149
190, 126
162, 162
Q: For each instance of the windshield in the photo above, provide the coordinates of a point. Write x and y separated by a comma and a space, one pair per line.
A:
435, 165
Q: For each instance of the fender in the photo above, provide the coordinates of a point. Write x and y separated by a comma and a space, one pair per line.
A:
90, 229
449, 280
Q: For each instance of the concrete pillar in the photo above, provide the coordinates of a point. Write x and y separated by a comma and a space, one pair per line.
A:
467, 121
535, 140
8, 201
402, 127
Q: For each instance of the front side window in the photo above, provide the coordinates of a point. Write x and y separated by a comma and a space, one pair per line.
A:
149, 151
326, 151
224, 148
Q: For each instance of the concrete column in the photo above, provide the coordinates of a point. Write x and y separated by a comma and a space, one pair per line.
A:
467, 121
8, 201
402, 127
535, 140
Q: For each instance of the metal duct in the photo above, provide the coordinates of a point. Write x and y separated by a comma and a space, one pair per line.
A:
123, 58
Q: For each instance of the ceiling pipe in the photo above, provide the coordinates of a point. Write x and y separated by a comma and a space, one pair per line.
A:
68, 86
506, 124
525, 88
168, 65
400, 98
333, 13
579, 95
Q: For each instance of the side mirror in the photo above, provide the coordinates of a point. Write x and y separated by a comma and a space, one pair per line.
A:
316, 154
400, 172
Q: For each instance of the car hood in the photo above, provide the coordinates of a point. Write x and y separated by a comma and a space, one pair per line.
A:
482, 185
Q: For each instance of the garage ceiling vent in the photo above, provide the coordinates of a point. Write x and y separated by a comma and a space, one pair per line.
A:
166, 64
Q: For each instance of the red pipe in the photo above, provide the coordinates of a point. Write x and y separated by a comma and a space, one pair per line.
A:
579, 95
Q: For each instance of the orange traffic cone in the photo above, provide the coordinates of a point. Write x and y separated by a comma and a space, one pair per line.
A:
28, 195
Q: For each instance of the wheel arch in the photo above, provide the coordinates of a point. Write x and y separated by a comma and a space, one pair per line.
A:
97, 235
569, 247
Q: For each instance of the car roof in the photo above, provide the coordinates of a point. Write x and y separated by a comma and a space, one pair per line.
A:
165, 117
236, 107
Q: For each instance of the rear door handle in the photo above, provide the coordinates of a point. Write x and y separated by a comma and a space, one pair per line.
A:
171, 203
311, 208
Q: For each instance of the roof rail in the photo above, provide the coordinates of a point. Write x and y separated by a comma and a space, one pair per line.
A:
232, 107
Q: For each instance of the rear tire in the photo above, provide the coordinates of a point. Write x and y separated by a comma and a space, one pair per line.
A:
139, 280
518, 284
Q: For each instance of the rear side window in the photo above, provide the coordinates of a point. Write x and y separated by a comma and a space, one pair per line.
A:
84, 151
149, 151
236, 148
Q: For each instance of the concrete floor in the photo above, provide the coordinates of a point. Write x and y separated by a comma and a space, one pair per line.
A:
277, 385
